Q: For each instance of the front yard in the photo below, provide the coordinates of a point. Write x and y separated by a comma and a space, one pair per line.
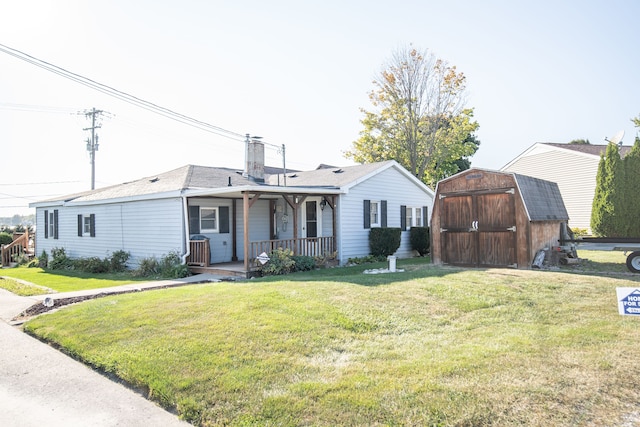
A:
428, 346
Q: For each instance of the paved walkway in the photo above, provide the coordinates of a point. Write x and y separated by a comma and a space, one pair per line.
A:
40, 386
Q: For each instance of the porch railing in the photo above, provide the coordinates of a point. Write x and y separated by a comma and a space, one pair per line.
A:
310, 246
199, 253
12, 251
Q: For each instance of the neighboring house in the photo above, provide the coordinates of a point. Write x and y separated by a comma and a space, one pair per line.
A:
219, 215
485, 218
572, 166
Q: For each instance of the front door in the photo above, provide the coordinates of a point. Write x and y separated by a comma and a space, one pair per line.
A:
478, 229
311, 219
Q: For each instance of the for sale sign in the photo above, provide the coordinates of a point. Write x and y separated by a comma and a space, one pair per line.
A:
628, 301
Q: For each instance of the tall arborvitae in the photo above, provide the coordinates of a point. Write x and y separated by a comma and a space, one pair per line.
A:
607, 218
631, 201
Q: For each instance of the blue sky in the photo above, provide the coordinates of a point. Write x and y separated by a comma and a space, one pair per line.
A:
295, 73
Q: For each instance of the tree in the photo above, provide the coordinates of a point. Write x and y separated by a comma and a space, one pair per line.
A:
607, 212
419, 117
630, 190
580, 142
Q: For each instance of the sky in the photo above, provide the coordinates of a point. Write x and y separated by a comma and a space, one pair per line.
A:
296, 73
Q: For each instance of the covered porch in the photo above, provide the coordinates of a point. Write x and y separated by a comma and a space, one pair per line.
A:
310, 231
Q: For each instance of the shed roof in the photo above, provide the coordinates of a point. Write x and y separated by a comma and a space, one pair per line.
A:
541, 198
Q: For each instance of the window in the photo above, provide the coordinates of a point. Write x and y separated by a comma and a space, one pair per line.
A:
209, 220
51, 224
374, 214
414, 217
87, 225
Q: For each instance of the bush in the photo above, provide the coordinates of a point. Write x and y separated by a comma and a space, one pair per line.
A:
92, 265
5, 238
419, 238
369, 259
384, 241
303, 263
280, 262
43, 261
118, 261
169, 266
60, 260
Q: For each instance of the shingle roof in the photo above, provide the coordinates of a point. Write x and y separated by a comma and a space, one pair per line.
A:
594, 149
330, 176
542, 198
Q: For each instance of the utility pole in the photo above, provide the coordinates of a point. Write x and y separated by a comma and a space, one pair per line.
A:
92, 141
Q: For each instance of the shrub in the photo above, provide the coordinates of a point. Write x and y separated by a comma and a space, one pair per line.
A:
419, 238
303, 263
5, 238
43, 261
60, 260
118, 261
280, 262
169, 266
384, 241
92, 265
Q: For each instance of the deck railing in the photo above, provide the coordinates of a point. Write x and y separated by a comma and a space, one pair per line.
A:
200, 253
310, 246
12, 251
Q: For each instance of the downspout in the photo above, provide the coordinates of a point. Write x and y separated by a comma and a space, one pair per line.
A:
185, 216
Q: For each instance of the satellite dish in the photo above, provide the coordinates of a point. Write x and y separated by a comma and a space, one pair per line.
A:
617, 138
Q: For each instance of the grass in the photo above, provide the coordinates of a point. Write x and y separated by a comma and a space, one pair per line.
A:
429, 346
67, 281
22, 289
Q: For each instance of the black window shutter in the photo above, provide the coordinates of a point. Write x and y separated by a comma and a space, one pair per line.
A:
367, 213
425, 216
224, 219
46, 224
194, 219
55, 223
80, 228
383, 214
92, 220
403, 218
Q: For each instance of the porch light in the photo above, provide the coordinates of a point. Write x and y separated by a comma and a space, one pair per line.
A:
323, 203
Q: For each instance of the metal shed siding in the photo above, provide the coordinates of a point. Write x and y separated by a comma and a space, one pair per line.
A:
574, 173
145, 229
390, 185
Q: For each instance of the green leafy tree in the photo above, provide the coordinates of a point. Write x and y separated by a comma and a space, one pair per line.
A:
580, 142
607, 212
419, 118
631, 203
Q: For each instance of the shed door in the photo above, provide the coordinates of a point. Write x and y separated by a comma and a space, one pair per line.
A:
478, 229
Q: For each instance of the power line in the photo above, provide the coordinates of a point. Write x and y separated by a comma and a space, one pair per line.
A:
131, 99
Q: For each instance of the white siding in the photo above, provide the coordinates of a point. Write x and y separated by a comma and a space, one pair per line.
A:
152, 228
574, 173
389, 185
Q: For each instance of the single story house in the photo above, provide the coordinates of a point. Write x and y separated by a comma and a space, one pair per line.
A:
213, 215
573, 166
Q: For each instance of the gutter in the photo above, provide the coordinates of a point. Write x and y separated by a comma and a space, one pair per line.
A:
185, 216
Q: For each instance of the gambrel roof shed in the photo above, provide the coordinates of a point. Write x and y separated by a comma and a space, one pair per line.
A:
486, 218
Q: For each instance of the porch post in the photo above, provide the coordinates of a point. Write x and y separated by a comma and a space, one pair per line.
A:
245, 213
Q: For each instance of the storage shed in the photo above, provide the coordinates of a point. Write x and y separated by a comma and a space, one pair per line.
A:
484, 218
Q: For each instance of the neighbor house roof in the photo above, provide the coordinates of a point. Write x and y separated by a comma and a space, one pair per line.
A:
593, 149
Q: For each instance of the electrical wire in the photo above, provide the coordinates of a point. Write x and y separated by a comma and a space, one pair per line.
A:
131, 99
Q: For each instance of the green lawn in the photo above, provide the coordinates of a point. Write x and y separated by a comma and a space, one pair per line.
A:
429, 346
66, 281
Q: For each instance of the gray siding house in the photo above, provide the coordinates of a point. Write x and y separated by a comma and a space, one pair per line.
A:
214, 215
572, 166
